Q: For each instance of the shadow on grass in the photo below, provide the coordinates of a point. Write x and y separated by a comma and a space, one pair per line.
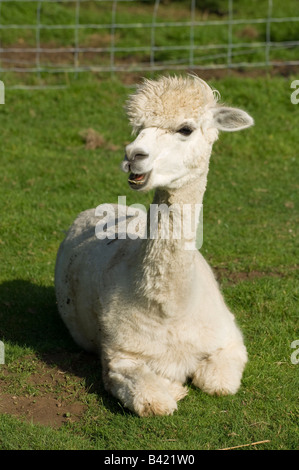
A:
29, 318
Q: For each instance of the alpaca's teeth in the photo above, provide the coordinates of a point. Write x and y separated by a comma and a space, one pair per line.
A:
135, 180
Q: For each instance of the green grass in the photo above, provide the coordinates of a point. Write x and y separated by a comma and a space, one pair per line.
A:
250, 228
210, 40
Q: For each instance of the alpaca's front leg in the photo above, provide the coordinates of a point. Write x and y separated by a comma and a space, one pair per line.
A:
141, 390
220, 373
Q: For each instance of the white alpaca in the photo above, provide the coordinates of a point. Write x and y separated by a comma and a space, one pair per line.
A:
149, 307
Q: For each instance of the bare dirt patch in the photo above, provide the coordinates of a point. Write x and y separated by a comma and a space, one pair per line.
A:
234, 277
94, 140
46, 410
52, 55
38, 393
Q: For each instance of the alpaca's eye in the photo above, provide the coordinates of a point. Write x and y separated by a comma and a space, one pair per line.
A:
185, 130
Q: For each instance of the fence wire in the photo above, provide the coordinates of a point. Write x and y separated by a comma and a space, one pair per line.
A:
43, 37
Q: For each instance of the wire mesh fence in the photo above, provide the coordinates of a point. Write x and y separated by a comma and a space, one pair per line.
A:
40, 39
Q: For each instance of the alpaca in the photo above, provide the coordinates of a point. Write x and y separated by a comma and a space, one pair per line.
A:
150, 307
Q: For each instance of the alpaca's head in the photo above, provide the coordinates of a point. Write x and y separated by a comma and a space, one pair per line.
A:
177, 120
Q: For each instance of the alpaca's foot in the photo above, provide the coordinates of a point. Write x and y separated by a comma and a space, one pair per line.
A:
141, 390
158, 399
221, 372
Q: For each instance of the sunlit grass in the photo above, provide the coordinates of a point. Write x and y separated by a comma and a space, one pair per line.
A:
250, 228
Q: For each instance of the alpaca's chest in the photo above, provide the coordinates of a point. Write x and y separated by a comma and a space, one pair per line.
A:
171, 322
169, 346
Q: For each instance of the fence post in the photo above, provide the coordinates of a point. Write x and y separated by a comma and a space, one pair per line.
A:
2, 93
2, 356
164, 39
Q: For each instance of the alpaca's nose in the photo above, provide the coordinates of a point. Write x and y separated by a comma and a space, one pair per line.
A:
136, 154
125, 165
133, 156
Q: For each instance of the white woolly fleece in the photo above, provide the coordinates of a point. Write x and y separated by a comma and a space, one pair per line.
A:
152, 309
166, 102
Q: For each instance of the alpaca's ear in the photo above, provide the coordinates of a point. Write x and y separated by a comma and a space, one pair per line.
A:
231, 119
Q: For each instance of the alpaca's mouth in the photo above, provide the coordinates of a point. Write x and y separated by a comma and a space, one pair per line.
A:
138, 181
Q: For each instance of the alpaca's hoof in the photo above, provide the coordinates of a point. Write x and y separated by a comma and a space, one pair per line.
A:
155, 400
221, 373
158, 401
156, 407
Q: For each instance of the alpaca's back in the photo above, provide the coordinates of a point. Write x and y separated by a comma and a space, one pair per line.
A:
73, 285
82, 274
147, 303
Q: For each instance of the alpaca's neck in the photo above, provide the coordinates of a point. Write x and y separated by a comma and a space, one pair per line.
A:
167, 256
172, 219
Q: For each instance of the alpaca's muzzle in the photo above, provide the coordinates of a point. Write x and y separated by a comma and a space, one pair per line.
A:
125, 165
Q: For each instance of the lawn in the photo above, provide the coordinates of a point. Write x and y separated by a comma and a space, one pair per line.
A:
51, 393
56, 36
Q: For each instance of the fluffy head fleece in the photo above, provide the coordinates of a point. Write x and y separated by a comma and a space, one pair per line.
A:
168, 101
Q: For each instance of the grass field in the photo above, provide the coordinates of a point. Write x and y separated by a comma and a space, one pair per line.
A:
51, 394
43, 36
